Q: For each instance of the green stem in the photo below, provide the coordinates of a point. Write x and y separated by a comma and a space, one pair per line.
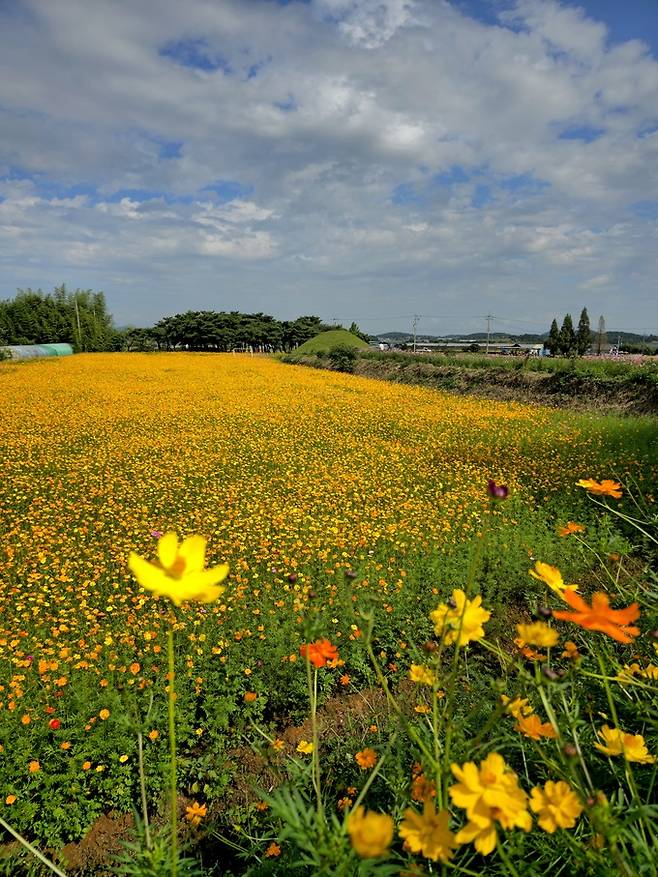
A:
172, 755
142, 789
28, 846
429, 755
437, 746
506, 860
312, 682
576, 743
630, 778
633, 521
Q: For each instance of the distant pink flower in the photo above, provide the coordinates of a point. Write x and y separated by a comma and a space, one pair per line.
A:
156, 534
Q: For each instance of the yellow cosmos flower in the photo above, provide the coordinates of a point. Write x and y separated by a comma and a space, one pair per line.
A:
517, 707
421, 674
305, 747
631, 746
489, 794
538, 634
370, 833
551, 576
461, 622
428, 833
556, 804
179, 573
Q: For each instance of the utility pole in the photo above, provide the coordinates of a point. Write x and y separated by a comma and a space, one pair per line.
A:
415, 323
77, 317
489, 319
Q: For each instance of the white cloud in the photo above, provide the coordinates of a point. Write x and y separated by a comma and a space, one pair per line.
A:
335, 130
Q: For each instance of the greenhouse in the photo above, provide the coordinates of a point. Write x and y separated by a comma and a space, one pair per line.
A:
36, 351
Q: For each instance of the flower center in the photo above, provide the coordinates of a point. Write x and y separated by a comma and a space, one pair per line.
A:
177, 568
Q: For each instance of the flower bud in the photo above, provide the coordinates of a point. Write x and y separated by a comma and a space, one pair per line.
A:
570, 750
549, 673
497, 491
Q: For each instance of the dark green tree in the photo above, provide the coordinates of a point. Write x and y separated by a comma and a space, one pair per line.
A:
354, 329
553, 340
584, 334
567, 339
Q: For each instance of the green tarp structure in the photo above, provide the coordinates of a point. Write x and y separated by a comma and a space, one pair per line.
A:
37, 351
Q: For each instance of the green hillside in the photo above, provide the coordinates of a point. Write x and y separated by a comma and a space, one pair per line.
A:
326, 341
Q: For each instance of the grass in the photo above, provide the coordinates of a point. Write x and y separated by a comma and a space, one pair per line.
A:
589, 366
327, 341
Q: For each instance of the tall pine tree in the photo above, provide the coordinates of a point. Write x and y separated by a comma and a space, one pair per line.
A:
584, 334
567, 341
553, 340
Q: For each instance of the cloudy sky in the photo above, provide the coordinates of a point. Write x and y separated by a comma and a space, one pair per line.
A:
355, 159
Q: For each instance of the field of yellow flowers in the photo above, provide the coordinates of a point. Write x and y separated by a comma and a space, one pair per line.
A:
345, 510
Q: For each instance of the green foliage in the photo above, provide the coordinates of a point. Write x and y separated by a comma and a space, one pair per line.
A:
583, 335
567, 337
343, 358
553, 342
154, 859
78, 318
221, 331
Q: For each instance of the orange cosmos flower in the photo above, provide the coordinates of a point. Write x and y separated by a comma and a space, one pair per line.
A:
196, 813
34, 767
366, 758
531, 726
569, 528
249, 696
601, 488
319, 652
599, 616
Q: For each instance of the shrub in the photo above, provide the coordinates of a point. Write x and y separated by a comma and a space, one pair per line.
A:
343, 358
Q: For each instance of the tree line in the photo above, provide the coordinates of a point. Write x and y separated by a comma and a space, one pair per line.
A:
77, 318
81, 319
567, 341
223, 331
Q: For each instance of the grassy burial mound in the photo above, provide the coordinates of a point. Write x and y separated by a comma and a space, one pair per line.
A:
328, 341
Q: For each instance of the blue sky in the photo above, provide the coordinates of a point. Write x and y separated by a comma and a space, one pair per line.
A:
357, 159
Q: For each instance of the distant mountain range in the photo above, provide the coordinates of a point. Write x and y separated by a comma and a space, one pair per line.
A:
613, 336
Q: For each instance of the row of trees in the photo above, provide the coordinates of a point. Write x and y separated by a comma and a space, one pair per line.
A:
81, 319
78, 318
224, 331
566, 341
